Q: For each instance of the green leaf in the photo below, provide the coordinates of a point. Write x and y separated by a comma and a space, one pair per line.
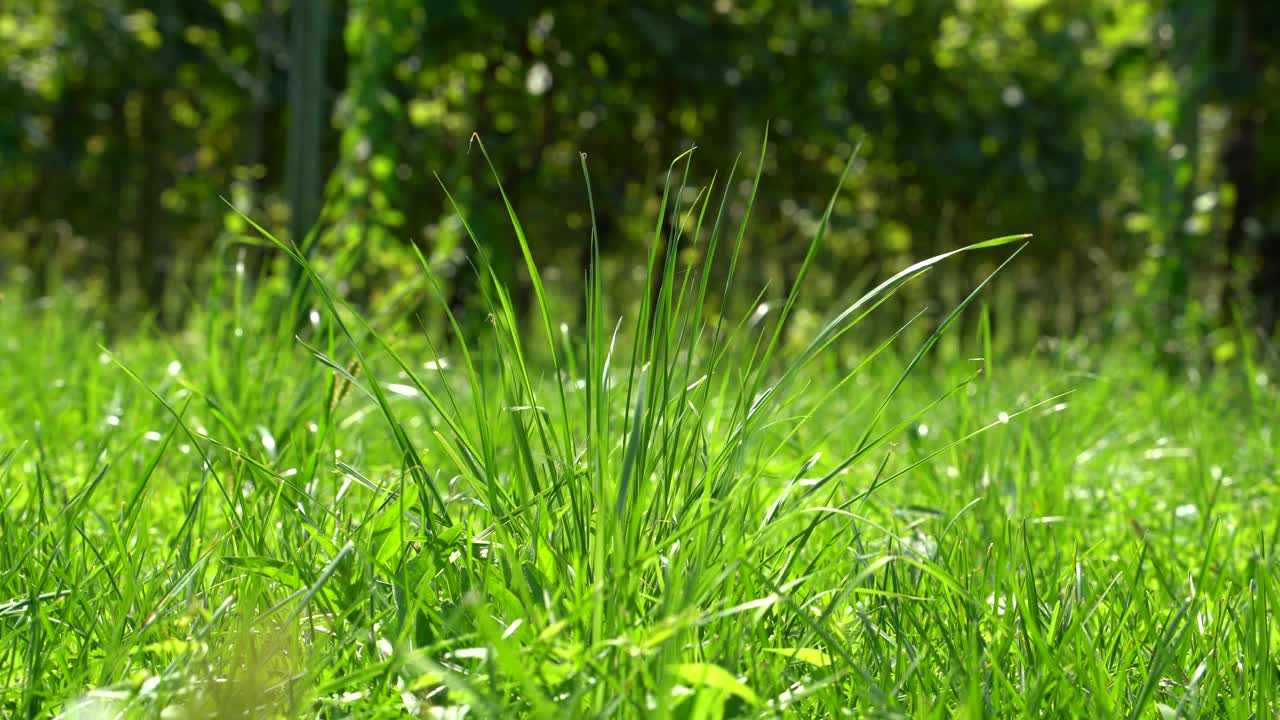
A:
806, 655
714, 676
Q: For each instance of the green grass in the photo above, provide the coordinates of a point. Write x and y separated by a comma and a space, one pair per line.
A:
662, 511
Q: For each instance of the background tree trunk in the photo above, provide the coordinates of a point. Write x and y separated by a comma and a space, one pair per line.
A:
307, 94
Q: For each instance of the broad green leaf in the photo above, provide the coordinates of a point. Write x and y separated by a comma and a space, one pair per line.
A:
714, 676
806, 655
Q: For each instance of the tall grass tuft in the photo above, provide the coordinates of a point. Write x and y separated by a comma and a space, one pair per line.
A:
670, 508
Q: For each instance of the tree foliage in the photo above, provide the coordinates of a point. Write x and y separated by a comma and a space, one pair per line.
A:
1127, 135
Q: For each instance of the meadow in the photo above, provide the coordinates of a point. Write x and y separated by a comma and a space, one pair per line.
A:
692, 507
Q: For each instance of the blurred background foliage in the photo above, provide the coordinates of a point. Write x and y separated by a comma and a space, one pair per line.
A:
1136, 138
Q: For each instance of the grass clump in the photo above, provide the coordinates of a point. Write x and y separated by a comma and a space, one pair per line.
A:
678, 513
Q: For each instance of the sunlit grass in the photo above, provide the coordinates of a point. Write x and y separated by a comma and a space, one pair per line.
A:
296, 509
